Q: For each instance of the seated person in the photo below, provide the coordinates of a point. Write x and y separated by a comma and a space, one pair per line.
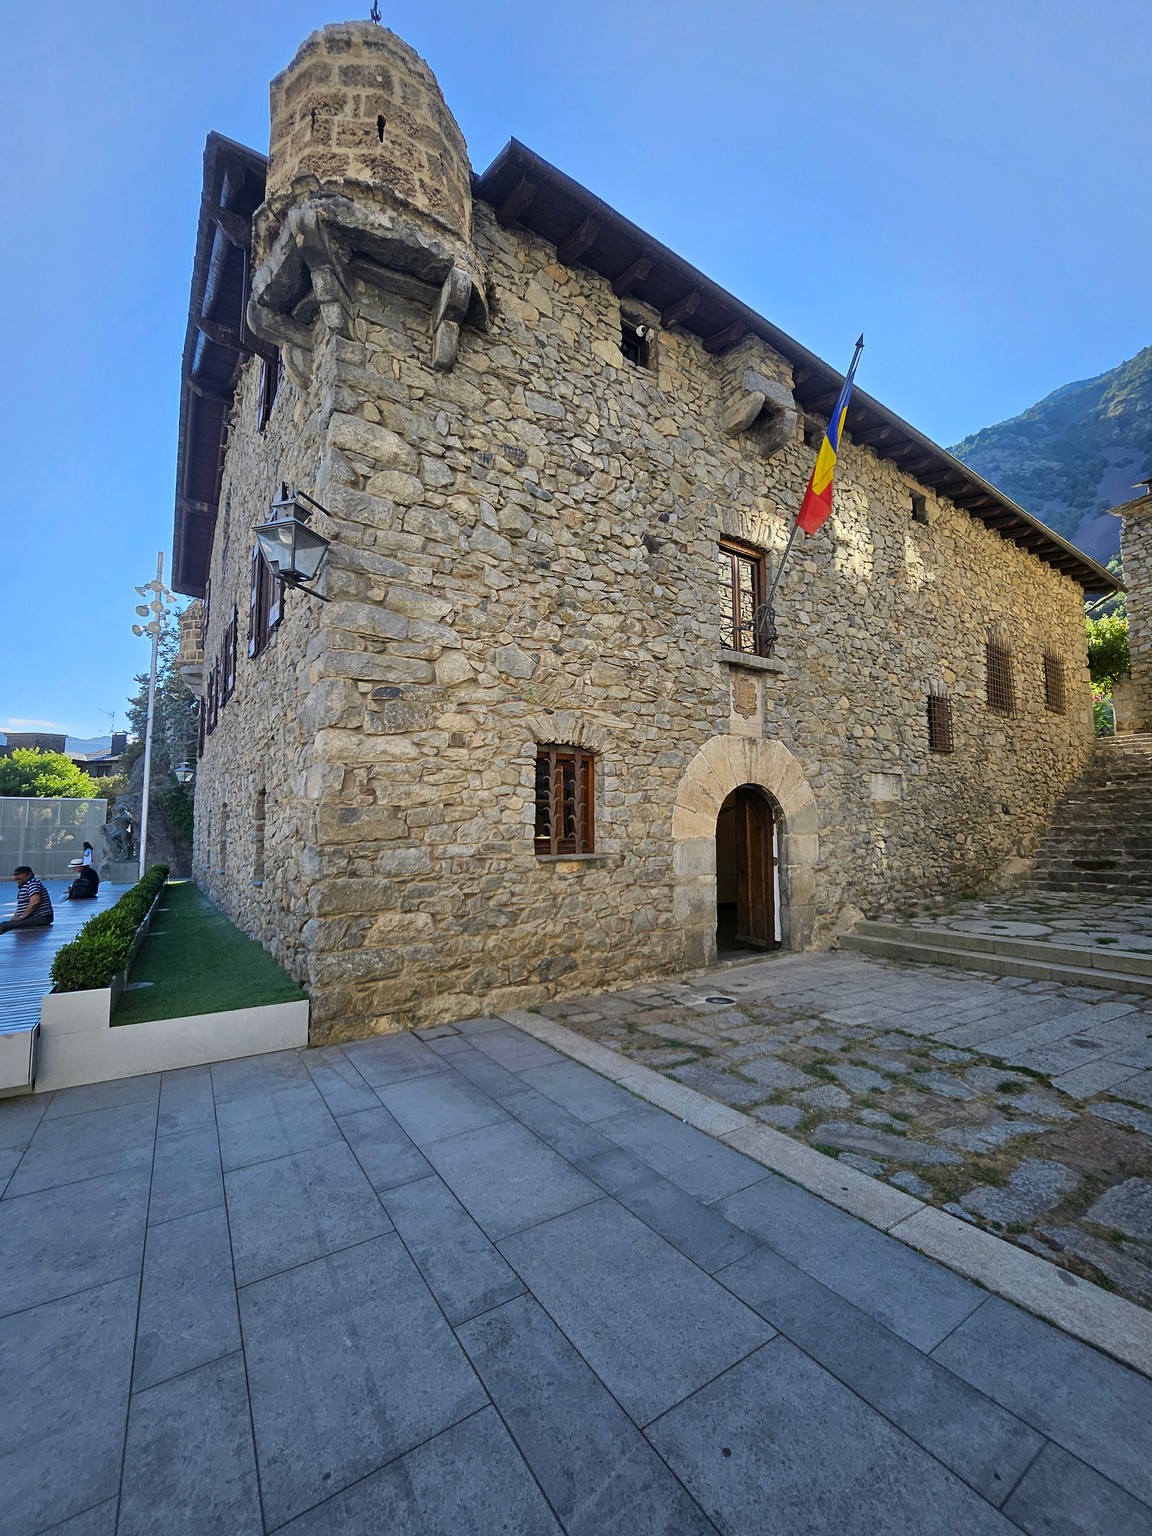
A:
33, 903
86, 883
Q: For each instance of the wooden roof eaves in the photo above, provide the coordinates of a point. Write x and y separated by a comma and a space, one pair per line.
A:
816, 379
219, 153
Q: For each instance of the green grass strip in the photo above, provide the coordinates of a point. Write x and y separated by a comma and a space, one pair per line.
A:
199, 962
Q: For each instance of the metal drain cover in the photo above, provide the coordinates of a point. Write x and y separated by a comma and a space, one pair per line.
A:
720, 1001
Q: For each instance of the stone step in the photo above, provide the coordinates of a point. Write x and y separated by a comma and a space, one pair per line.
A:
899, 942
1107, 957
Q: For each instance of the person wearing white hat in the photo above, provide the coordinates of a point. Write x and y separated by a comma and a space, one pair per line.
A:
86, 882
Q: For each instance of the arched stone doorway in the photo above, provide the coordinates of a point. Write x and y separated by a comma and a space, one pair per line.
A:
748, 895
721, 766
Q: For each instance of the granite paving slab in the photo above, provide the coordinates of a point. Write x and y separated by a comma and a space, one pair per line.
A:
600, 1474
362, 1302
469, 1478
778, 1435
350, 1364
651, 1324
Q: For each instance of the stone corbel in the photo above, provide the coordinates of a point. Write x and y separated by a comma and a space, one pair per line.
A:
762, 407
448, 315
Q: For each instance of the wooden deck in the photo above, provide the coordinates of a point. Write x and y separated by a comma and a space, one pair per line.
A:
26, 956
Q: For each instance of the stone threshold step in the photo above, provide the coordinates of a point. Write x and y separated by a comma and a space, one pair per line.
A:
1106, 957
994, 964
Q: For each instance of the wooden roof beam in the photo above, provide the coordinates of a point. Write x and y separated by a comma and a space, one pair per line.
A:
518, 201
680, 311
233, 226
720, 341
871, 436
632, 276
222, 335
573, 246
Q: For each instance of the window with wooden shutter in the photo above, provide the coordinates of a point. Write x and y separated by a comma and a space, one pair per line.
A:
1000, 684
741, 583
565, 800
265, 603
1055, 690
940, 734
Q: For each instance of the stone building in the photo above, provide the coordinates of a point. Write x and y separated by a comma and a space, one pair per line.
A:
1132, 695
536, 739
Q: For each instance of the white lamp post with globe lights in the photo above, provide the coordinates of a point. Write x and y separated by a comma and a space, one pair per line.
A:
155, 611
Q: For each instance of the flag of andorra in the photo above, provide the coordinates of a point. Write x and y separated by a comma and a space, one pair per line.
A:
817, 503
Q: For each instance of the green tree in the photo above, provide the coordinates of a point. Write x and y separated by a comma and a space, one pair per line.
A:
44, 775
1107, 650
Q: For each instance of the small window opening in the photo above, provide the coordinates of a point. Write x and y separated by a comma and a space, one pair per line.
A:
222, 839
380, 127
999, 683
940, 733
1055, 689
565, 800
919, 509
258, 828
813, 432
636, 342
741, 579
270, 375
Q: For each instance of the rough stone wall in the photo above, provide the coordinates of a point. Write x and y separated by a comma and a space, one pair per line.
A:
357, 104
1136, 553
262, 741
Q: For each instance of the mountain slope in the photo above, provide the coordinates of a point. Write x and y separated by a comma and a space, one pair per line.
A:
1074, 454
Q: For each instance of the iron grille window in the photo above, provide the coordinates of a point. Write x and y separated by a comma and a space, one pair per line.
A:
265, 603
999, 683
1055, 692
565, 799
741, 581
636, 342
940, 734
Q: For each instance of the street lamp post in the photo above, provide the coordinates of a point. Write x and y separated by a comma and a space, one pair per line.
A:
156, 612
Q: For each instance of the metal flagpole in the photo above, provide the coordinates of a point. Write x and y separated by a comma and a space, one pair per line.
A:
767, 605
145, 791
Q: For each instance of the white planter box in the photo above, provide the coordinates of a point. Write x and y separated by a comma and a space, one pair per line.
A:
79, 1045
18, 1059
71, 1057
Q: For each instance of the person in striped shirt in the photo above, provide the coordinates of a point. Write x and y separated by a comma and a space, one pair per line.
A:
33, 903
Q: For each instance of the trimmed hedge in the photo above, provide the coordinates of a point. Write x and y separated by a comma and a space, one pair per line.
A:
100, 950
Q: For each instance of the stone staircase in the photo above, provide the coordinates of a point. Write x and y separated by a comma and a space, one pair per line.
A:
1101, 832
1099, 845
1117, 969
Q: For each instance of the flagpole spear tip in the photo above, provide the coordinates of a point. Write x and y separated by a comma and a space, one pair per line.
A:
860, 339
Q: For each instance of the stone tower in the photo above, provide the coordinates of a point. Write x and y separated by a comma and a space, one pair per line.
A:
1133, 696
368, 178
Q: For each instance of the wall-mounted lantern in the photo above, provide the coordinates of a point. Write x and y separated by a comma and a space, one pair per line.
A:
293, 550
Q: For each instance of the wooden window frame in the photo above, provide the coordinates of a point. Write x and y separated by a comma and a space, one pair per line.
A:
557, 809
1055, 684
941, 726
999, 680
741, 635
265, 603
636, 349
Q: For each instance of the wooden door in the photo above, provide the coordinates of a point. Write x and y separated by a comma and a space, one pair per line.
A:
755, 908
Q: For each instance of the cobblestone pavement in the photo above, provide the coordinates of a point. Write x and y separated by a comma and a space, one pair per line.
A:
1023, 1107
459, 1285
1087, 921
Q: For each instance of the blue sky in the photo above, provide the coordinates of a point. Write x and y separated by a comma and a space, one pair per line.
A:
964, 180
